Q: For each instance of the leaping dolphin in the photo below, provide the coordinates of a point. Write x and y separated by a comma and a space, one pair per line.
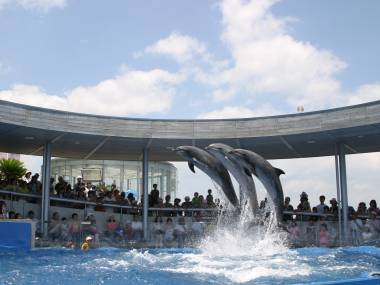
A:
266, 173
220, 152
211, 166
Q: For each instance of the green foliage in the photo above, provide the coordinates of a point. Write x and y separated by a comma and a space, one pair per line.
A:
12, 169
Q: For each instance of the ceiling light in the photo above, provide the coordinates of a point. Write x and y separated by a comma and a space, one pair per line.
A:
29, 138
311, 141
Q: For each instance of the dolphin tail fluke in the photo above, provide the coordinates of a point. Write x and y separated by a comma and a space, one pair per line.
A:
191, 166
279, 171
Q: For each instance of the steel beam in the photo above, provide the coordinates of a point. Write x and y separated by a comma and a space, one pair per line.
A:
45, 203
145, 191
343, 188
338, 191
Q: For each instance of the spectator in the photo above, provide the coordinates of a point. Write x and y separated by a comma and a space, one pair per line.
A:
64, 236
324, 236
197, 227
154, 195
87, 244
75, 228
187, 204
35, 186
131, 199
158, 232
112, 227
109, 198
27, 177
373, 207
294, 232
3, 210
167, 203
366, 234
79, 184
362, 209
11, 215
289, 208
169, 230
304, 205
196, 202
177, 204
60, 187
210, 199
334, 207
315, 217
99, 205
321, 206
203, 201
30, 215
180, 232
373, 223
55, 226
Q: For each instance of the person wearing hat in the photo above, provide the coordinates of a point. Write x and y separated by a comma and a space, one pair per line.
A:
87, 243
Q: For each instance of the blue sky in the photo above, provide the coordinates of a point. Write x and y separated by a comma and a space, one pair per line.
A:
191, 59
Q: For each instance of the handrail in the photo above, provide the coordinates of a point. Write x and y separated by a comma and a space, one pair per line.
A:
106, 204
164, 209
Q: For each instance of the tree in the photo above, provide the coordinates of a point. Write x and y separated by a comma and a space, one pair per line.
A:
12, 169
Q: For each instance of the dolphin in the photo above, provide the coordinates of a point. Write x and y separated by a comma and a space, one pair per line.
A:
220, 152
253, 163
211, 166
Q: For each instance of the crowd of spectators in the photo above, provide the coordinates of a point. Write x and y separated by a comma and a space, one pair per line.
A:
170, 224
364, 223
101, 194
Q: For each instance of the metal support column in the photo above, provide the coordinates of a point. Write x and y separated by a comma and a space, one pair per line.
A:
45, 202
338, 191
145, 191
343, 188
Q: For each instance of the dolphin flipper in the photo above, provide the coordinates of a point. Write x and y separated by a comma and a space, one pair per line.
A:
191, 166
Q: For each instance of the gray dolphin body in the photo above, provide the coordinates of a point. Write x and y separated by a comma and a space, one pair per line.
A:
266, 173
211, 166
221, 152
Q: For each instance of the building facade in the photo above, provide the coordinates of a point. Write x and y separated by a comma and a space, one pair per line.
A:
127, 175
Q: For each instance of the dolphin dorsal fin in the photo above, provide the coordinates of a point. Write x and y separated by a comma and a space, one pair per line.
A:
279, 171
191, 166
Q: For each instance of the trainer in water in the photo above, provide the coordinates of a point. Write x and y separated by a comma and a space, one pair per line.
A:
252, 163
221, 152
212, 167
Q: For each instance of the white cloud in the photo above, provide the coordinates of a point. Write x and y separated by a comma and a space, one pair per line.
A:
182, 48
365, 93
40, 5
267, 59
239, 112
220, 95
131, 93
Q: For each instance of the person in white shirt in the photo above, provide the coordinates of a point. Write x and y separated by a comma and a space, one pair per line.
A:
322, 205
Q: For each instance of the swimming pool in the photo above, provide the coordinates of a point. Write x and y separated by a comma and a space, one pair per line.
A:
187, 266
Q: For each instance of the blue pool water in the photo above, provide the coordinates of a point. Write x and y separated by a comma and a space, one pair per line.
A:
187, 266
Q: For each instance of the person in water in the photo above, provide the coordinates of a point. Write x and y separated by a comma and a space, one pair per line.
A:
87, 244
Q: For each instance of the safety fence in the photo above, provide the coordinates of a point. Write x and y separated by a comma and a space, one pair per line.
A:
109, 224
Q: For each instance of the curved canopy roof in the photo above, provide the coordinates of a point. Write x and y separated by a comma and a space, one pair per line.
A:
25, 129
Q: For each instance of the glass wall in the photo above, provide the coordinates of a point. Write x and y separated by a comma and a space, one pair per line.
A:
127, 175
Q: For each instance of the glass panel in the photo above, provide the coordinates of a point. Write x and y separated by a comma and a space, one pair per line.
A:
112, 175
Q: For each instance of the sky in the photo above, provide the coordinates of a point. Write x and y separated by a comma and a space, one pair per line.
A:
199, 59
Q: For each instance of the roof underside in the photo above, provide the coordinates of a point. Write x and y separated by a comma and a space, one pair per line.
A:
25, 129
